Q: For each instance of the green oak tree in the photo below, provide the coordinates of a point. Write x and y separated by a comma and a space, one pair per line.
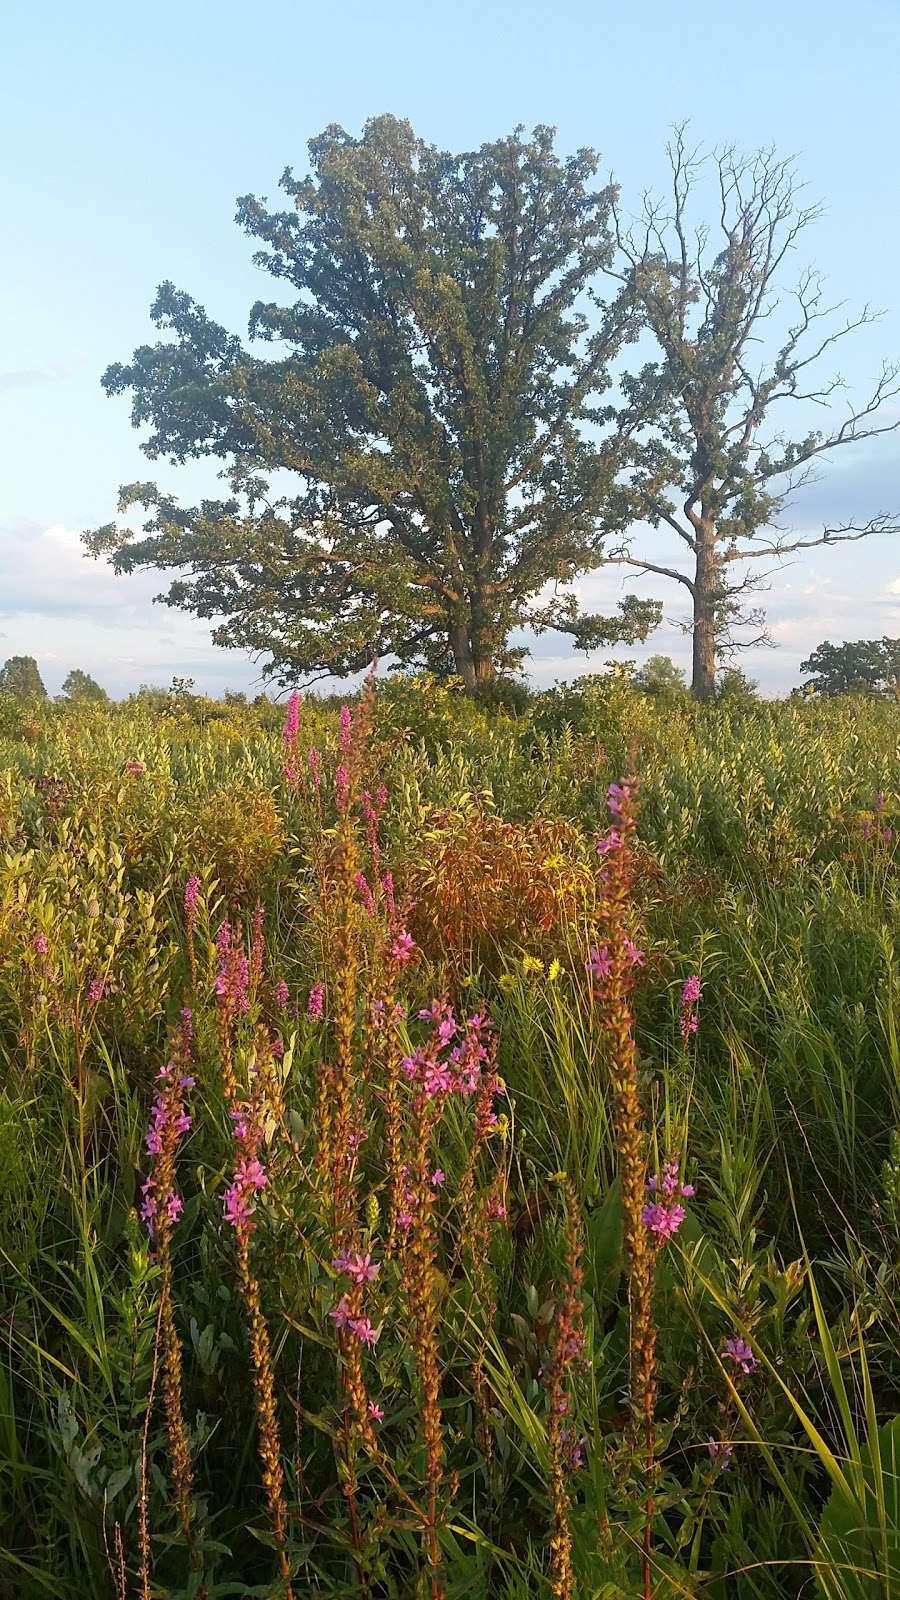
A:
19, 677
418, 441
79, 685
862, 666
716, 468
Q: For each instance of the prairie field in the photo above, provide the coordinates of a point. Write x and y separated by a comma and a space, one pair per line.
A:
448, 1149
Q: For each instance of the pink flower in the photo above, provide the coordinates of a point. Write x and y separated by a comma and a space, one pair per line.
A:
363, 1330
315, 1005
282, 994
191, 894
600, 962
739, 1352
346, 726
361, 1268
315, 766
342, 1313
134, 768
635, 956
96, 991
437, 1178
41, 945
618, 795
403, 946
608, 842
375, 1411
719, 1452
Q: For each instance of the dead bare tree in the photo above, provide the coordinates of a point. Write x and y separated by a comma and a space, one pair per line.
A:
713, 466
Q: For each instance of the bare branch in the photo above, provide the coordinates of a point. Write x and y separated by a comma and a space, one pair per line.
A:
843, 533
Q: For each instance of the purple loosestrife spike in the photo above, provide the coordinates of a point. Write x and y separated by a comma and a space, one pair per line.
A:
291, 730
315, 1005
688, 1020
365, 893
346, 729
282, 994
315, 767
191, 894
738, 1352
41, 945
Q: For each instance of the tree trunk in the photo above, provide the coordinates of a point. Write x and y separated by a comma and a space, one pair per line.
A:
472, 655
463, 660
703, 681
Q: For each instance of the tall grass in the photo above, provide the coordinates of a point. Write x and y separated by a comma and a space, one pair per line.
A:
399, 1354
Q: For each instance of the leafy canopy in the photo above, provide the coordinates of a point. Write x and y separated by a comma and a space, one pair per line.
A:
425, 441
19, 677
864, 666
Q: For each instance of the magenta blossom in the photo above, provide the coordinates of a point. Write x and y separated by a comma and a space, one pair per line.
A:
282, 994
362, 1328
608, 842
739, 1352
599, 962
719, 1452
688, 1019
403, 946
315, 1005
664, 1214
191, 894
375, 1411
618, 796
635, 956
41, 945
361, 1268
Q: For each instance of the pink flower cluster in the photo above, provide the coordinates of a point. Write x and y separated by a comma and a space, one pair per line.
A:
688, 1020
451, 1059
403, 947
315, 1004
191, 895
664, 1214
249, 1175
360, 1326
290, 734
233, 976
619, 798
359, 1267
169, 1119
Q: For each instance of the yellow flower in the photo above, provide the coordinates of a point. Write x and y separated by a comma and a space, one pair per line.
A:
532, 964
554, 970
507, 982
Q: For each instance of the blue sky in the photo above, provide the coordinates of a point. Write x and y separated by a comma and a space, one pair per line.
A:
129, 132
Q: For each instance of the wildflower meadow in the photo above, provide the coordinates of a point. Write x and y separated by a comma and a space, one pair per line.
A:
449, 1149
